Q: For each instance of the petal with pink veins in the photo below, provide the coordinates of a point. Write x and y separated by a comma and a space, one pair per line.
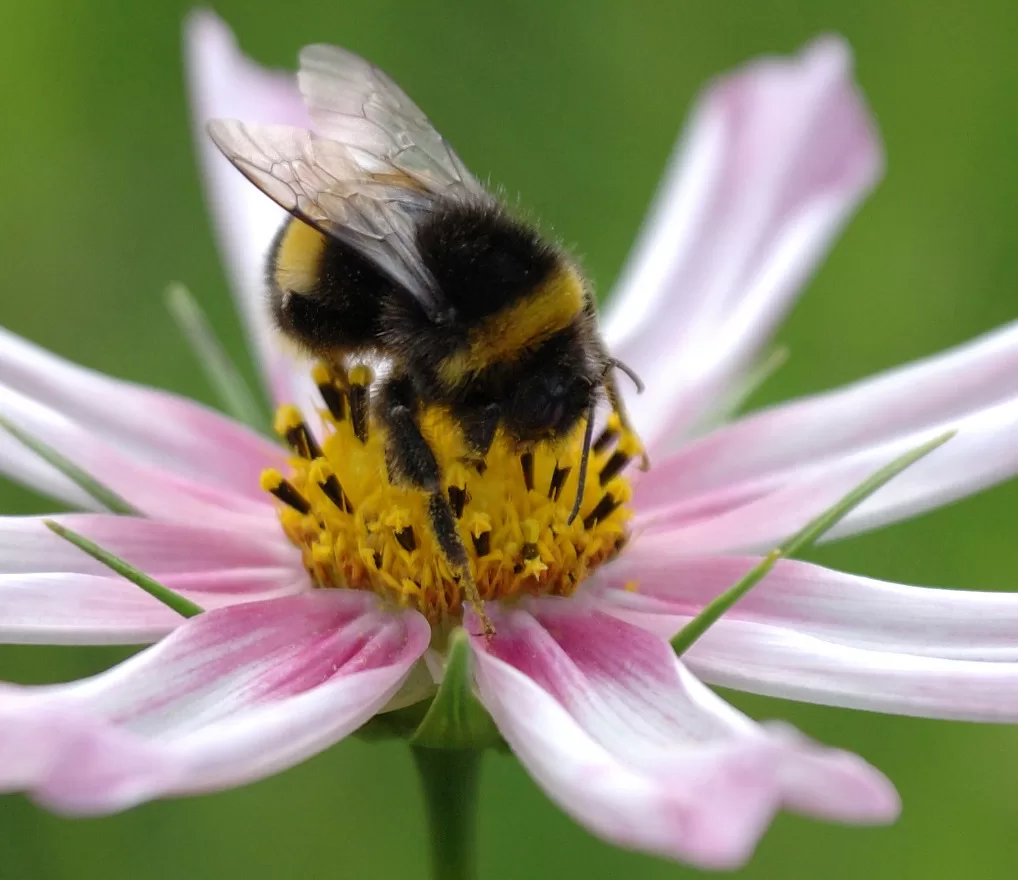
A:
157, 548
151, 489
230, 697
758, 515
53, 593
224, 83
153, 426
809, 633
57, 608
624, 739
775, 160
770, 446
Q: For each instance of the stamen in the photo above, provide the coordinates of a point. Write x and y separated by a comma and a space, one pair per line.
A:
334, 491
605, 507
361, 377
457, 500
516, 541
531, 532
612, 431
558, 480
482, 543
290, 425
613, 467
283, 489
333, 396
527, 460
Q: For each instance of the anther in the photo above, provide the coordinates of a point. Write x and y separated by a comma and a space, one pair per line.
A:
333, 396
290, 425
606, 438
457, 500
614, 466
558, 480
604, 508
406, 539
531, 532
334, 492
482, 543
272, 481
527, 460
360, 381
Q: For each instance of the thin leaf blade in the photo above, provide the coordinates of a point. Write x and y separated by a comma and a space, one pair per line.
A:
800, 541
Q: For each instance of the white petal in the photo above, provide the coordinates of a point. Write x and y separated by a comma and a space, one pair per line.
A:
224, 83
160, 549
780, 662
776, 158
758, 515
151, 489
846, 609
153, 426
230, 697
935, 391
808, 633
626, 741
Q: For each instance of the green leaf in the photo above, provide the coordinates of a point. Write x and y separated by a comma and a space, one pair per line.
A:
183, 607
91, 486
226, 380
801, 540
455, 719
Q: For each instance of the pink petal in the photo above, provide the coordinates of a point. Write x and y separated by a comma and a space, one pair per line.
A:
769, 446
848, 609
230, 697
77, 609
781, 662
160, 549
776, 158
52, 593
808, 633
758, 515
57, 608
154, 426
151, 489
224, 83
631, 745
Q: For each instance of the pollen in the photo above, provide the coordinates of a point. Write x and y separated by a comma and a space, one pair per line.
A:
356, 529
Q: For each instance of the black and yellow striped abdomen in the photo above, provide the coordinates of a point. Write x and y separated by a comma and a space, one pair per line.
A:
324, 295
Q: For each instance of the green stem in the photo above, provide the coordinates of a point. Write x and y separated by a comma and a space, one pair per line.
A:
449, 778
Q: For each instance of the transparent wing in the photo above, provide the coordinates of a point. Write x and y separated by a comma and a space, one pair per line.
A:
371, 206
353, 102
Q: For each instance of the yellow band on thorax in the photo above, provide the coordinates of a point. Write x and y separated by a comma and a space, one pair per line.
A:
550, 307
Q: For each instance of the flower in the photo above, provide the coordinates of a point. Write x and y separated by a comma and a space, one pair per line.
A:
585, 689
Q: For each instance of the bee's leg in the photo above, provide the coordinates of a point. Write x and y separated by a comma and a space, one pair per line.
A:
412, 463
618, 405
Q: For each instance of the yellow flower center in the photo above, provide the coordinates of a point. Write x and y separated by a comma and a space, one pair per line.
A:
357, 530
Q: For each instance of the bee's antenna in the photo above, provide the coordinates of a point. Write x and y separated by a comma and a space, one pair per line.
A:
581, 480
629, 371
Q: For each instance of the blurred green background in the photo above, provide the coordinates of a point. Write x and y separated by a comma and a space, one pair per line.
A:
575, 105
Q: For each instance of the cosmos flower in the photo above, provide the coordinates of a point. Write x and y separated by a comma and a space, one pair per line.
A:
582, 684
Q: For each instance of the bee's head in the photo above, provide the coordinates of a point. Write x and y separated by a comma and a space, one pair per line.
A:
549, 404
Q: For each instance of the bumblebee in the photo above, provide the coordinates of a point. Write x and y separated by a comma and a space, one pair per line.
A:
395, 250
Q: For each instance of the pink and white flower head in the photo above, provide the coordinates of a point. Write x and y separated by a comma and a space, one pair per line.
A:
584, 688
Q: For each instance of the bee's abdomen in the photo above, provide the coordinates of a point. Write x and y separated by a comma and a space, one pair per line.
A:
296, 265
325, 295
